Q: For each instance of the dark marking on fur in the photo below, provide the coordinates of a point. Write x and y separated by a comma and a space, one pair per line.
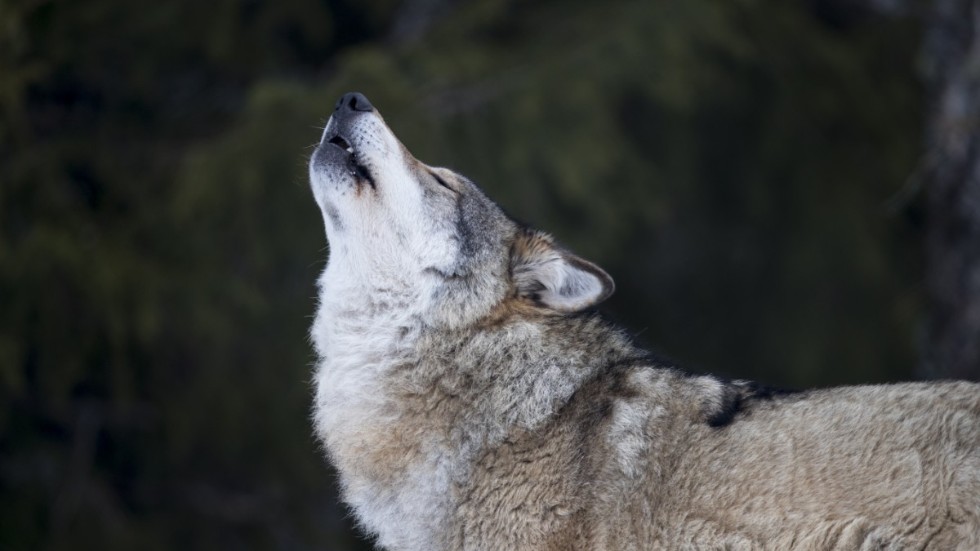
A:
444, 274
442, 182
465, 215
732, 403
762, 392
334, 217
738, 397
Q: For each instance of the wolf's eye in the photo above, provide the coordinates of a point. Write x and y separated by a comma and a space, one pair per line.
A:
442, 182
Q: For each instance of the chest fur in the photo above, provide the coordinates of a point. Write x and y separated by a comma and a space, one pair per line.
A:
393, 473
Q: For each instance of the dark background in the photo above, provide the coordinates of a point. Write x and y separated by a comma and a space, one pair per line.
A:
783, 190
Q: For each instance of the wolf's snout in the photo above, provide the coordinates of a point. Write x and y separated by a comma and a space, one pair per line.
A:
353, 101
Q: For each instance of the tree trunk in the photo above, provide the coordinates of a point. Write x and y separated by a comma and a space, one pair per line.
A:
952, 166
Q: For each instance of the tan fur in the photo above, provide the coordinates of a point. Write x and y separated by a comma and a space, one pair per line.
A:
470, 404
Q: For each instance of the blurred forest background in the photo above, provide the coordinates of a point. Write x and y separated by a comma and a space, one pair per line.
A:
784, 190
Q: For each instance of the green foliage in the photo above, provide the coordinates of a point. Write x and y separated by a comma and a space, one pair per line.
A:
728, 162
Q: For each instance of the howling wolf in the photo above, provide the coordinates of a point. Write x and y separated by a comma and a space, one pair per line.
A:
470, 401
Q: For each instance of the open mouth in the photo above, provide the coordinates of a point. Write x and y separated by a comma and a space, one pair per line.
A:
354, 166
340, 142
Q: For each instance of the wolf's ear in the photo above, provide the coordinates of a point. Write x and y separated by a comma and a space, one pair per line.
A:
555, 278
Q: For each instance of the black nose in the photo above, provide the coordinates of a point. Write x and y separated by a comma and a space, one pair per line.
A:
353, 101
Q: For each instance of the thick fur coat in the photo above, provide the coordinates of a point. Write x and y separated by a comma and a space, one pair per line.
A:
469, 402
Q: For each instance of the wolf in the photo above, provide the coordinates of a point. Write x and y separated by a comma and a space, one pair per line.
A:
470, 398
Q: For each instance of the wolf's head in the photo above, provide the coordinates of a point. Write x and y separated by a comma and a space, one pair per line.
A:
397, 225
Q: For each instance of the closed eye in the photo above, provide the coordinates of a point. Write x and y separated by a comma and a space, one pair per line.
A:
442, 182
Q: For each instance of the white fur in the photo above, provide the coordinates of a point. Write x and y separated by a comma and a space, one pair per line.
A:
371, 307
355, 356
